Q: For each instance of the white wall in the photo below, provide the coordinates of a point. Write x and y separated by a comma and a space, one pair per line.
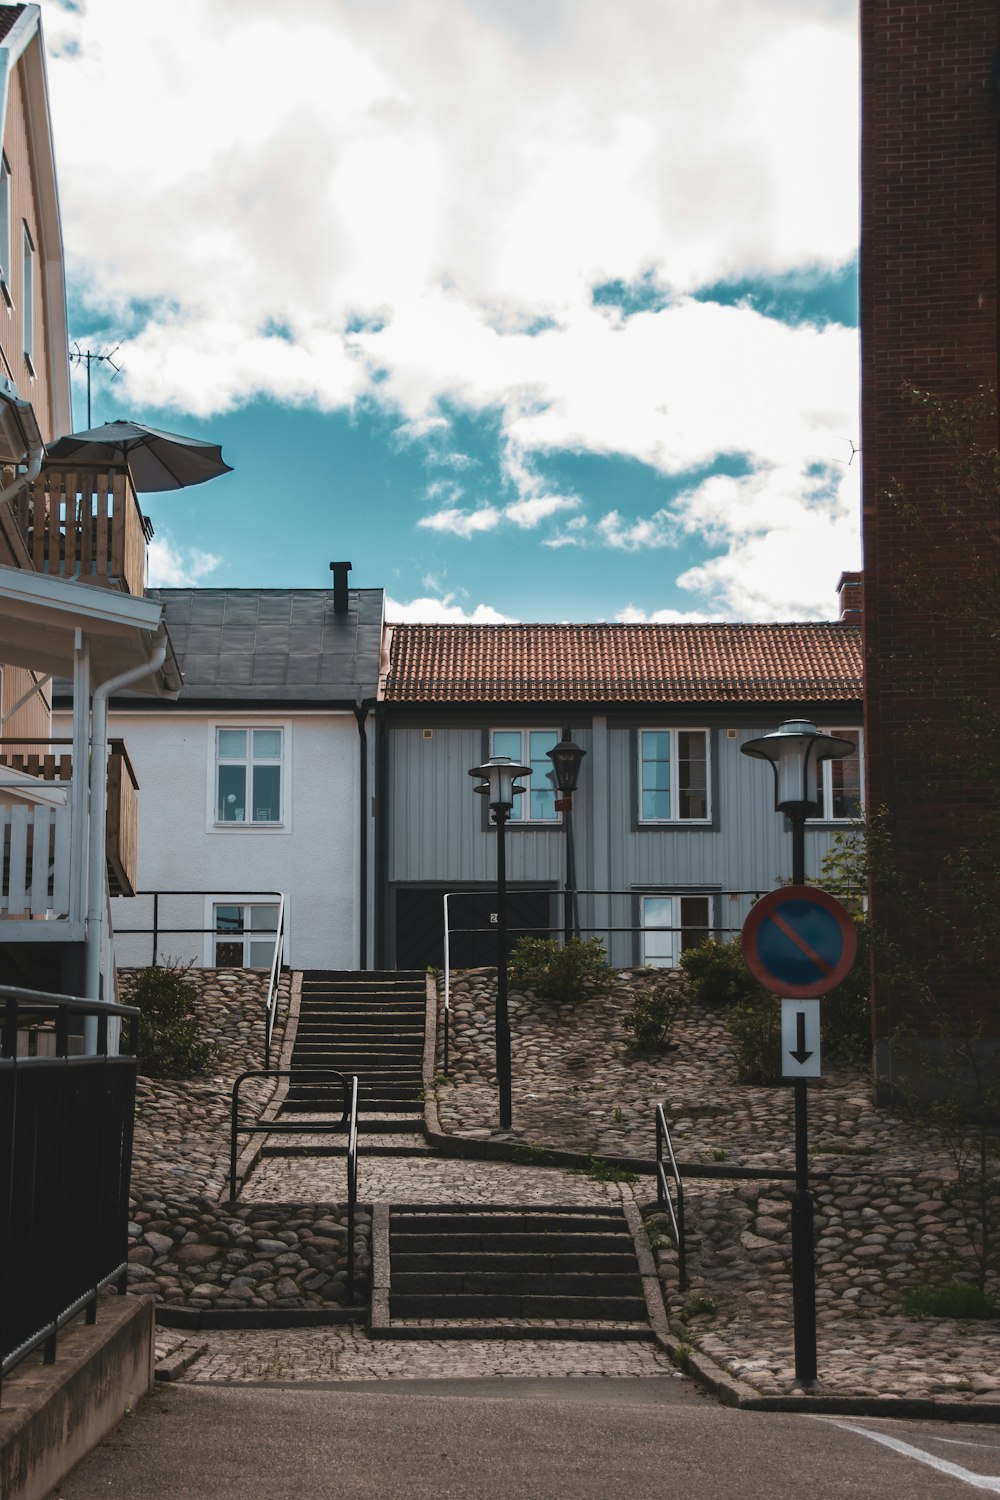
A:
312, 857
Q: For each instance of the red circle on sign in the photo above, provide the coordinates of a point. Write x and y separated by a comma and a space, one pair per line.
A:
831, 967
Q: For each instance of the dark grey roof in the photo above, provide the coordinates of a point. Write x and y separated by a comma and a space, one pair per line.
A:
274, 645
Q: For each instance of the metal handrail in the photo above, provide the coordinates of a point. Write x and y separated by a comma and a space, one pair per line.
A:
663, 1193
245, 896
348, 1118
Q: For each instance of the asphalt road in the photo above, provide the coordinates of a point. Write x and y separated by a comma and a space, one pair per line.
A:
515, 1440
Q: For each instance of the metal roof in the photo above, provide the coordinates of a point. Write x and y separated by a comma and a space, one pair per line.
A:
281, 646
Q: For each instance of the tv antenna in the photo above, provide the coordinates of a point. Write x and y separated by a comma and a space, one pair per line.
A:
88, 357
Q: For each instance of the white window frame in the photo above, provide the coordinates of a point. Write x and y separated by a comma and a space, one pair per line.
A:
246, 934
825, 781
247, 761
520, 813
6, 267
675, 787
672, 942
28, 296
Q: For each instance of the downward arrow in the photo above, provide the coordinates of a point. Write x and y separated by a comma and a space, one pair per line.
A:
800, 1054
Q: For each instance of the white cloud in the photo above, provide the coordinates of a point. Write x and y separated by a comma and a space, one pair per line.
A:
630, 615
173, 567
464, 523
442, 612
328, 205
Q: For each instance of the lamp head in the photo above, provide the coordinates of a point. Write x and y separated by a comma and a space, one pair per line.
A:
497, 777
794, 750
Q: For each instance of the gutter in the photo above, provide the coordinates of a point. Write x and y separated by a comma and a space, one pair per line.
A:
97, 852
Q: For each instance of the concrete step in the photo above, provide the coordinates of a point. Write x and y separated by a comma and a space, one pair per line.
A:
487, 1306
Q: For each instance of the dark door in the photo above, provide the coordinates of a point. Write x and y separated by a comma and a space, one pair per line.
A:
420, 925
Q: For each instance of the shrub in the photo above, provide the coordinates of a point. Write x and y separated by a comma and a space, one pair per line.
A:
170, 1044
650, 1018
716, 975
846, 1012
956, 1299
755, 1031
560, 973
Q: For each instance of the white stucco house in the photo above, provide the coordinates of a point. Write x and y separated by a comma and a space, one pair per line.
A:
254, 784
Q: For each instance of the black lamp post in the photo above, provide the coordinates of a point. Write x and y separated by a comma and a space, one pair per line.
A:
794, 752
566, 758
497, 779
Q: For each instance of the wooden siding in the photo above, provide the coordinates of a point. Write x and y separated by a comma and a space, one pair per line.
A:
32, 719
24, 210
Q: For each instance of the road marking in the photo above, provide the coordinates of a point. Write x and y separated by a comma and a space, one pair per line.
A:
975, 1481
964, 1443
800, 942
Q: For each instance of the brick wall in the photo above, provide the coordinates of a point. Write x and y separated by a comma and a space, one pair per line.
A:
929, 316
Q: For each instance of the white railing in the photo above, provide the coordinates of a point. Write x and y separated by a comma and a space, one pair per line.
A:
35, 857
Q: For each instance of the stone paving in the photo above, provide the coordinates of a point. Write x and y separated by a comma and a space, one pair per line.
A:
881, 1186
425, 1179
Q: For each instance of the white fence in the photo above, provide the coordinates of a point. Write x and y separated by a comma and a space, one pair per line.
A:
35, 852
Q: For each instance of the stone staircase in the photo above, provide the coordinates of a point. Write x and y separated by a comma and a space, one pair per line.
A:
510, 1272
368, 1023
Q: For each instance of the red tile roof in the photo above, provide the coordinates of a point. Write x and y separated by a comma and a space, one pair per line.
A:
624, 663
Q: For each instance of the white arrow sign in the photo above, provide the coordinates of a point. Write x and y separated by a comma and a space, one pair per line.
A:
800, 1039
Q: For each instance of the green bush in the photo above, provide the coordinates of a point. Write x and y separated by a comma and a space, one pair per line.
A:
650, 1018
755, 1032
716, 975
956, 1299
846, 1012
558, 973
170, 1043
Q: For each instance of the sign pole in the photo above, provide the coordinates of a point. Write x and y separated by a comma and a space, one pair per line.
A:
803, 1253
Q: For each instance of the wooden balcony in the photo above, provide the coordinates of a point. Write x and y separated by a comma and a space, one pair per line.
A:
32, 887
87, 525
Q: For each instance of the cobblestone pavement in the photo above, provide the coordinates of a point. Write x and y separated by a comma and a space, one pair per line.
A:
345, 1353
886, 1215
424, 1179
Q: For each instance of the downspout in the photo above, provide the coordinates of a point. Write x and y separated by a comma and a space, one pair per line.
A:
381, 827
98, 815
361, 714
35, 456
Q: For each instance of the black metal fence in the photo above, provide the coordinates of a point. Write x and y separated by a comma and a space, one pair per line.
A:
66, 1124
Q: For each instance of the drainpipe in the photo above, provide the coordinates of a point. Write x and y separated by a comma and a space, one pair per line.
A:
35, 456
361, 714
98, 815
381, 827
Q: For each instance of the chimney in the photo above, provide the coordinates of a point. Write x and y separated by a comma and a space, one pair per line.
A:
850, 593
340, 571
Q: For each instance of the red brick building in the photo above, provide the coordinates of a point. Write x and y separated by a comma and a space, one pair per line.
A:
929, 166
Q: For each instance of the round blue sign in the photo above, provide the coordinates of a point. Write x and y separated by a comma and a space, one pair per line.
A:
799, 942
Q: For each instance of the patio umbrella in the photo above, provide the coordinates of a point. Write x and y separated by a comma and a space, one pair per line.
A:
155, 460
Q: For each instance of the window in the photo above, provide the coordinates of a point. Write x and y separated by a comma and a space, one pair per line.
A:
248, 776
673, 776
840, 796
28, 307
530, 747
5, 256
671, 925
245, 936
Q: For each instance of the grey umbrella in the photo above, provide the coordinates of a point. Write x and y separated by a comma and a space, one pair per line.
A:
155, 460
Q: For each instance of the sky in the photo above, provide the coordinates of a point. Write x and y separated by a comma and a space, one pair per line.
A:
529, 309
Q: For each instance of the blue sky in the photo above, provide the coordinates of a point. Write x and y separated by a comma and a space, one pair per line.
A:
555, 320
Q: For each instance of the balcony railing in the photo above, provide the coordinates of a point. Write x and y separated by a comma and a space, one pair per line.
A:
86, 525
33, 884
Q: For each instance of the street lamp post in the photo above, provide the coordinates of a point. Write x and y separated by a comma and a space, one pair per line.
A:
497, 778
566, 758
794, 752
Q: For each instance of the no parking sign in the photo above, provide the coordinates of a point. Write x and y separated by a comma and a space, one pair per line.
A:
799, 941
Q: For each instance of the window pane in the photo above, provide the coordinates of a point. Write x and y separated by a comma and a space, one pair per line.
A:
692, 774
845, 781
233, 744
655, 805
266, 794
232, 794
655, 744
694, 921
229, 955
229, 919
655, 774
267, 744
264, 918
542, 784
507, 742
657, 947
261, 954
